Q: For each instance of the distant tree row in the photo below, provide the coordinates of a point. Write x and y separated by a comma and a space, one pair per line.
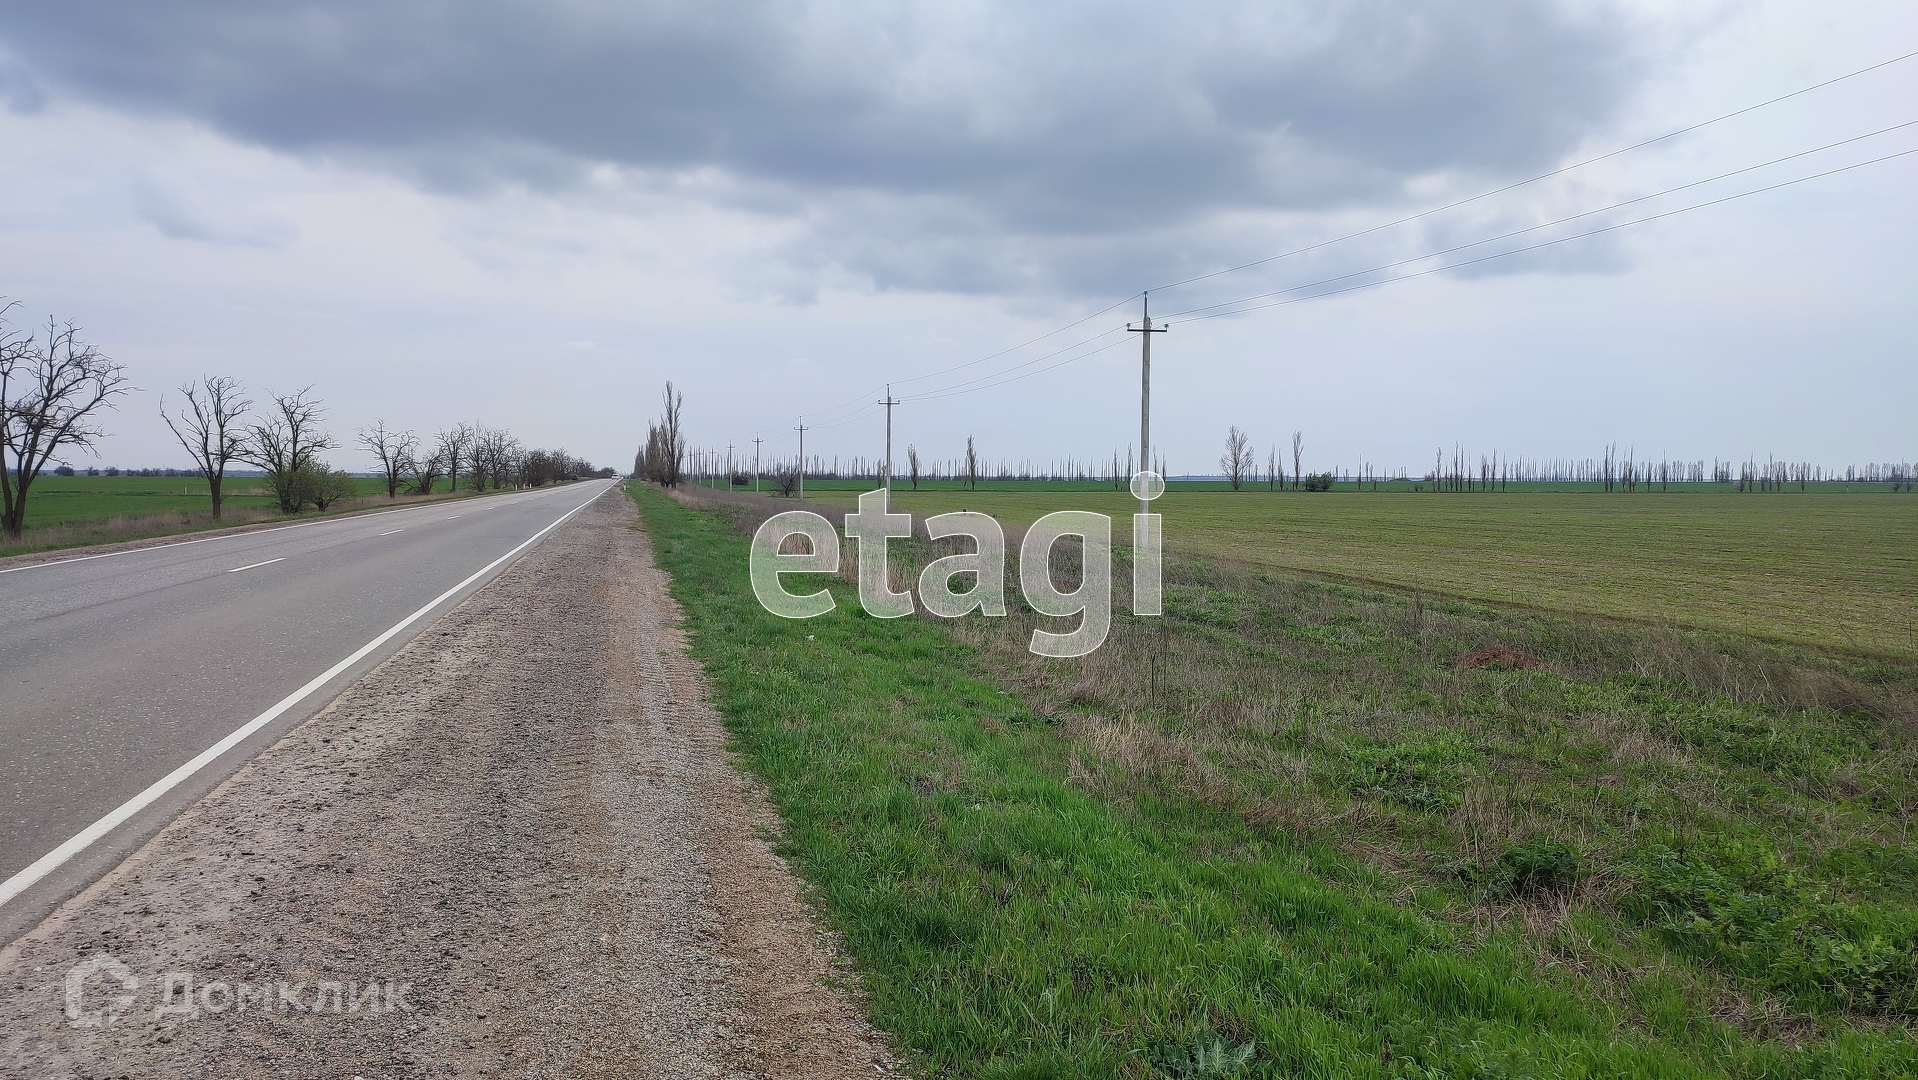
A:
54, 387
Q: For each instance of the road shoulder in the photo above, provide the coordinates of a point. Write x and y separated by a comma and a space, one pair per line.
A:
518, 844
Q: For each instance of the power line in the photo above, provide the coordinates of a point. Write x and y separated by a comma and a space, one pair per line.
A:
1029, 374
945, 391
1549, 224
860, 398
1546, 243
1034, 341
990, 381
1424, 273
1540, 176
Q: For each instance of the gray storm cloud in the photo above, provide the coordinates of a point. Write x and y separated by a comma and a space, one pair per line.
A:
996, 147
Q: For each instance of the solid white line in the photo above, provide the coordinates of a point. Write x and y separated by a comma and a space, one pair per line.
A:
395, 532
250, 566
52, 860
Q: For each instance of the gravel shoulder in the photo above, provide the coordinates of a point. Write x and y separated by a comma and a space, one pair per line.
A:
517, 848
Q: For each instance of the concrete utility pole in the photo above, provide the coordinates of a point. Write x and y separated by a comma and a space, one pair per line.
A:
1145, 332
755, 465
802, 458
888, 401
729, 467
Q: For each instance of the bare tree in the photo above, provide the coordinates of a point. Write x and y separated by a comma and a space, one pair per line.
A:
50, 395
972, 466
786, 481
424, 471
286, 446
476, 456
1298, 450
395, 450
495, 456
1272, 469
1238, 459
912, 464
451, 446
662, 460
503, 457
209, 428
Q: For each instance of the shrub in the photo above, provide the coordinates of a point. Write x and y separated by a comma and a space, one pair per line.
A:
1739, 906
1318, 482
1534, 868
327, 486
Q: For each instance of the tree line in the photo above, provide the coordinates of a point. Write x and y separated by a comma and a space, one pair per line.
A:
55, 388
285, 438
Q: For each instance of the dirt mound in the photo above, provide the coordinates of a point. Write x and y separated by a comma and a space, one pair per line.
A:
1498, 656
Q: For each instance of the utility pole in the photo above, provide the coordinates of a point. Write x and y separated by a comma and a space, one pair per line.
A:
755, 465
802, 458
1145, 332
888, 401
729, 468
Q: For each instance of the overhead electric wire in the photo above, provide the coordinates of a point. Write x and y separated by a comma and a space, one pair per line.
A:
970, 363
1016, 348
1545, 243
1449, 266
1549, 224
1535, 179
964, 387
944, 390
1029, 374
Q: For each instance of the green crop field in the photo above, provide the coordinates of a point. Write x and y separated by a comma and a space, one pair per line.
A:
1299, 827
1830, 569
74, 500
70, 511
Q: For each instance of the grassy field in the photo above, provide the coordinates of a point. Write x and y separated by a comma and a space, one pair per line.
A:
1828, 569
74, 500
69, 511
1289, 829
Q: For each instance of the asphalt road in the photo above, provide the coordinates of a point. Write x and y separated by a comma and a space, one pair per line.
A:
116, 672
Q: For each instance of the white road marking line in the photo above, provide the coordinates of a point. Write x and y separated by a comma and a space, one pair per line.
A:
395, 531
86, 838
250, 566
449, 518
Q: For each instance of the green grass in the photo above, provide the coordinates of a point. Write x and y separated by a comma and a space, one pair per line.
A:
1826, 569
1111, 867
75, 500
71, 511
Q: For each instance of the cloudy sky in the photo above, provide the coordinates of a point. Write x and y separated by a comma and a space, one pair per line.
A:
532, 215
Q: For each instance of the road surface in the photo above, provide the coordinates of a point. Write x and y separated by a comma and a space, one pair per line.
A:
118, 672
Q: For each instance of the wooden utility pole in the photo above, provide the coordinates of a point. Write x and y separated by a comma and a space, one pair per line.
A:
1145, 332
755, 465
802, 458
888, 401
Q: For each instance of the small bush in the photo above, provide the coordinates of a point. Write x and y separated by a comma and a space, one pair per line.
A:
1318, 481
1534, 868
